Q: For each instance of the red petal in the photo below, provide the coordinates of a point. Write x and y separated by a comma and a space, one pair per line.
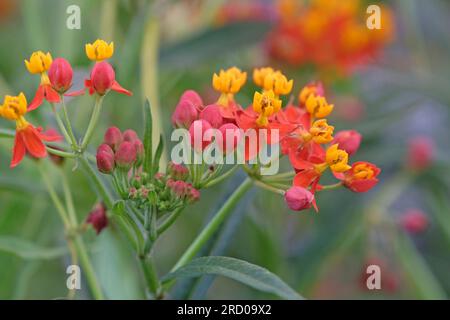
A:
362, 185
51, 95
118, 88
33, 143
18, 150
75, 93
38, 98
88, 84
305, 177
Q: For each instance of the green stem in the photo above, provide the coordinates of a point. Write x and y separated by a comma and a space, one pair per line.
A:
103, 192
332, 186
69, 200
88, 270
68, 125
169, 221
61, 153
60, 124
221, 178
92, 122
151, 277
268, 187
77, 240
214, 224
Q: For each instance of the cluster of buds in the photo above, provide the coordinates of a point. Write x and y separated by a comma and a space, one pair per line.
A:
167, 191
305, 135
119, 150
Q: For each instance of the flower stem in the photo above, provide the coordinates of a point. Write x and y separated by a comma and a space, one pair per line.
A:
214, 224
332, 186
92, 122
169, 221
61, 153
151, 277
101, 189
68, 125
60, 123
269, 187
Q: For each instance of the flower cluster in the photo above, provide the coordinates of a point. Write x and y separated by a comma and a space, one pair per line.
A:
121, 151
327, 33
55, 82
305, 135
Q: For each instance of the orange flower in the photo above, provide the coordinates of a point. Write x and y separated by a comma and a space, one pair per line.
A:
28, 138
361, 177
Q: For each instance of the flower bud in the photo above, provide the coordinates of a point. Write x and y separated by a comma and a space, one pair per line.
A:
298, 198
105, 159
420, 153
125, 155
414, 221
197, 131
139, 146
178, 187
231, 135
177, 171
192, 194
212, 114
193, 97
102, 77
113, 137
185, 113
348, 140
98, 218
130, 135
60, 75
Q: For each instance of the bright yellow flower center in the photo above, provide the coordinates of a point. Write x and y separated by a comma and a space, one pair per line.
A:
265, 104
321, 132
337, 159
228, 82
278, 83
362, 171
259, 75
39, 62
99, 50
318, 106
306, 91
14, 108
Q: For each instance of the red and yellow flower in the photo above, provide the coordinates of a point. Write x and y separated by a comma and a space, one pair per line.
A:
28, 138
361, 177
39, 63
228, 83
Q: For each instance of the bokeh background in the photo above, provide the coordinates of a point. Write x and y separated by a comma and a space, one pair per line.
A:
394, 90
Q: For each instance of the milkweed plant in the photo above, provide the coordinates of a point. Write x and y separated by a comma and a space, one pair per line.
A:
144, 198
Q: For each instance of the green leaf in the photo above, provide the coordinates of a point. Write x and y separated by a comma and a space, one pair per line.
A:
148, 146
212, 43
239, 270
158, 154
29, 250
417, 270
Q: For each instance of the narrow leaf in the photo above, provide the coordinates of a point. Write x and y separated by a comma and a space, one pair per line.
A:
158, 154
29, 250
239, 270
148, 145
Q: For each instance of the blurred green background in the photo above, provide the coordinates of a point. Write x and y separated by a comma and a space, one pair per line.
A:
166, 47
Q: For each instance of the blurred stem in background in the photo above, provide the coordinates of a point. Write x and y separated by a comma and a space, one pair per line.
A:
72, 229
149, 78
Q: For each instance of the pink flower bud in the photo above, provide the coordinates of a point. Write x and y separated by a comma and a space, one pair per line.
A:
348, 140
105, 159
212, 114
139, 146
298, 198
197, 131
177, 187
231, 135
113, 137
98, 218
177, 171
420, 153
192, 194
60, 75
102, 77
193, 97
414, 221
185, 113
125, 155
130, 135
